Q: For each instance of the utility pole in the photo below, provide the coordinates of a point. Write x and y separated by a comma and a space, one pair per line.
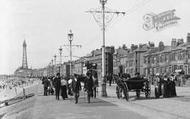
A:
107, 16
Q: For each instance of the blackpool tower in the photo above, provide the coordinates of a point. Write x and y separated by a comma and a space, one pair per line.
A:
24, 57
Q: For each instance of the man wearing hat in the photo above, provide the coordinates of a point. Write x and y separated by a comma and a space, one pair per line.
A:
89, 85
57, 84
76, 87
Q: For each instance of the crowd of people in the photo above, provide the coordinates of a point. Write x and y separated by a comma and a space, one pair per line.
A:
65, 86
165, 85
14, 82
11, 87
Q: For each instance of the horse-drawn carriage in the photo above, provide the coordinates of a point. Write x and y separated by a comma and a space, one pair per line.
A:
136, 84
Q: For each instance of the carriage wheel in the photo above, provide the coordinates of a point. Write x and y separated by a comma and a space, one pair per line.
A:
147, 93
126, 92
147, 90
118, 92
138, 93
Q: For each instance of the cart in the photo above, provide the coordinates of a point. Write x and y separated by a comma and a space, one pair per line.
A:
136, 84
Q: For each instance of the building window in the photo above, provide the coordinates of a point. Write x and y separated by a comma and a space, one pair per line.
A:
172, 56
154, 70
127, 63
183, 55
145, 71
148, 60
189, 69
130, 63
132, 71
181, 67
160, 58
188, 52
145, 60
166, 57
157, 59
157, 70
152, 60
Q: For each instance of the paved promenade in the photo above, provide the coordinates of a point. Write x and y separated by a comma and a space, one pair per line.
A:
46, 107
163, 108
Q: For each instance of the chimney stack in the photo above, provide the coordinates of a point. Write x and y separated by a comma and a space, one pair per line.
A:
173, 43
188, 37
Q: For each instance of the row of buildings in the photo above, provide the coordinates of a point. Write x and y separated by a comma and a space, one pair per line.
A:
147, 59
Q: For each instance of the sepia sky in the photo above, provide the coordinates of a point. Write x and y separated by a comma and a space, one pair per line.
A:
44, 24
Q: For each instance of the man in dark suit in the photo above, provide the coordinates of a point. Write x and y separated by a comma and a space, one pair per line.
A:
76, 87
46, 85
89, 86
57, 84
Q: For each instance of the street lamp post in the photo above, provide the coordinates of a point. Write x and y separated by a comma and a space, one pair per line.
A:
49, 69
70, 38
55, 64
52, 67
60, 51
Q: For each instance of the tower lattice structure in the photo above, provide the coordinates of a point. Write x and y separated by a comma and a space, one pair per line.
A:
24, 57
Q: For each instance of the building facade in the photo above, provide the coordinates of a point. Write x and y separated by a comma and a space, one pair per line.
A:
144, 58
95, 57
171, 59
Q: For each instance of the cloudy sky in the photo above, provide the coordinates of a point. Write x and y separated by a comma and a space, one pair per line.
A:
45, 25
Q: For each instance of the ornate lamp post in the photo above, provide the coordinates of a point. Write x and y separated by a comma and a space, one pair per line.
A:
52, 67
55, 64
60, 51
70, 38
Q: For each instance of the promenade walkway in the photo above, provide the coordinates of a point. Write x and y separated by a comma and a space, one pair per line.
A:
46, 107
163, 108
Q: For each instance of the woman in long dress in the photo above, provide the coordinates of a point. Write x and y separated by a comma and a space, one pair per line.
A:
64, 88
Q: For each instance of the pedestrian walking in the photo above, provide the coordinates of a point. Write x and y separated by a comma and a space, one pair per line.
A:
51, 90
46, 83
172, 87
76, 87
166, 87
95, 83
89, 86
110, 78
57, 84
64, 88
